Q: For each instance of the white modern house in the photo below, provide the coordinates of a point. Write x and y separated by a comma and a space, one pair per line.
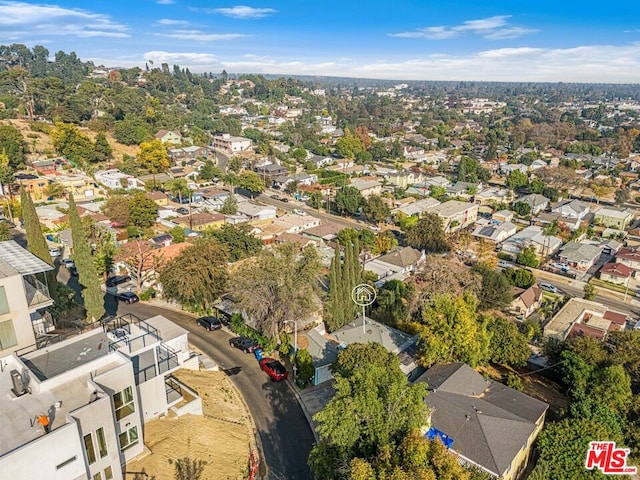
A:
114, 178
231, 144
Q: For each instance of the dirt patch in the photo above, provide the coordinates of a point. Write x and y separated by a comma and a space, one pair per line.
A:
533, 384
221, 437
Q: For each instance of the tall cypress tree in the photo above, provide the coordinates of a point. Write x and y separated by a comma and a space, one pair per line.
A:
87, 274
36, 242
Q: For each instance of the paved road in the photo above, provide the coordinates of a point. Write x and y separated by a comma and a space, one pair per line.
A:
284, 431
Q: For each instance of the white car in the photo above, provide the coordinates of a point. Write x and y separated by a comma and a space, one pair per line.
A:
55, 252
375, 228
297, 211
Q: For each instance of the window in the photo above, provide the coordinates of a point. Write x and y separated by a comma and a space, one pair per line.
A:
7, 335
66, 462
102, 442
4, 304
88, 447
123, 402
108, 473
97, 476
128, 438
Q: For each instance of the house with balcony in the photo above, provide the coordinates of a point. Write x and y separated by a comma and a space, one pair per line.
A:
231, 144
483, 422
96, 390
455, 214
23, 296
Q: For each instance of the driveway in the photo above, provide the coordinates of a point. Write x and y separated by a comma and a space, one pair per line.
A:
284, 431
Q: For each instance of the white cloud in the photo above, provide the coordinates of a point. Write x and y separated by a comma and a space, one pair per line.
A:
243, 12
171, 22
590, 63
165, 2
491, 28
200, 36
18, 18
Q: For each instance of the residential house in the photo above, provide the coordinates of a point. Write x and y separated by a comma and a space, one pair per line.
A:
169, 136
257, 212
183, 172
397, 264
200, 221
489, 196
270, 171
580, 317
495, 233
513, 167
289, 223
45, 167
464, 189
630, 257
404, 179
526, 301
617, 273
320, 161
78, 184
114, 178
302, 179
23, 293
324, 232
618, 218
532, 236
96, 390
34, 185
367, 187
416, 207
579, 256
483, 422
324, 347
455, 214
537, 202
300, 240
188, 153
572, 209
502, 216
159, 198
231, 144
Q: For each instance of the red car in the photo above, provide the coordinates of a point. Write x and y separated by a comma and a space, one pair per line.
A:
274, 369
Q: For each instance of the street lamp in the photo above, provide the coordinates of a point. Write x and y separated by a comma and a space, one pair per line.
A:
295, 334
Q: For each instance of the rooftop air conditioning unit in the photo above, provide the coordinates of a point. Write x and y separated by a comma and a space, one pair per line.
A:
20, 383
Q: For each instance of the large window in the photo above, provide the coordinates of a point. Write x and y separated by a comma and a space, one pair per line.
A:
4, 304
88, 447
123, 402
102, 442
108, 473
128, 438
7, 335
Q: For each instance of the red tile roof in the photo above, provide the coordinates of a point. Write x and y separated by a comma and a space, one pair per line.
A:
614, 317
582, 330
617, 270
629, 253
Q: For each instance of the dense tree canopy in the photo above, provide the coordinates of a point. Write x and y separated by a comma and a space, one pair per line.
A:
428, 234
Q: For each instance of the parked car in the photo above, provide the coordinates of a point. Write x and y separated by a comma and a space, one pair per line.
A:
127, 297
117, 280
182, 211
247, 345
297, 211
274, 369
505, 264
73, 270
55, 252
67, 262
276, 197
209, 323
548, 287
375, 228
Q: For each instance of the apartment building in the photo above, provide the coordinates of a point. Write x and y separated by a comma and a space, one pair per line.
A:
231, 144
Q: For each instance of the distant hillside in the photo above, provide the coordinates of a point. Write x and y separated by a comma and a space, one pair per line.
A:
40, 146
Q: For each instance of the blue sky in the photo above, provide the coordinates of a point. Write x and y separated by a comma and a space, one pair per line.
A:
522, 40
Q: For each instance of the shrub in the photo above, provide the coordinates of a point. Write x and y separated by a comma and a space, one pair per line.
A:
514, 381
147, 294
304, 364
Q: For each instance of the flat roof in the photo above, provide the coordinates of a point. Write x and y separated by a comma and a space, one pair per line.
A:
22, 260
572, 311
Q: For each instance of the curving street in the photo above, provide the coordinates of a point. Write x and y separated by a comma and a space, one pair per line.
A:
284, 431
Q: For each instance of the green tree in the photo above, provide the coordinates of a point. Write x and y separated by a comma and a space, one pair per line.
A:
304, 364
189, 469
522, 208
177, 187
229, 205
519, 277
496, 290
344, 275
209, 171
375, 209
5, 232
153, 157
507, 346
234, 164
251, 182
527, 257
197, 276
73, 144
101, 148
87, 275
451, 332
428, 234
349, 200
517, 179
291, 187
622, 196
348, 146
392, 303
177, 233
315, 200
7, 175
12, 143
116, 207
142, 210
280, 285
374, 408
589, 292
238, 241
36, 242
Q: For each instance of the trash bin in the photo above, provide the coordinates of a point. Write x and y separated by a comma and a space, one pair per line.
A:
258, 353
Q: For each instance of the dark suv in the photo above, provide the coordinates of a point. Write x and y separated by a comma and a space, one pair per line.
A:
209, 323
117, 280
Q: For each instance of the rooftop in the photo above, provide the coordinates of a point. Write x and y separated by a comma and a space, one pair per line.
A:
452, 207
23, 261
576, 310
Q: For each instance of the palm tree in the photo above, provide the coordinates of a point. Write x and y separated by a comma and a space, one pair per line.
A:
549, 231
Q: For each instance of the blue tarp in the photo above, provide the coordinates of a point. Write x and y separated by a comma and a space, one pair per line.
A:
258, 353
433, 433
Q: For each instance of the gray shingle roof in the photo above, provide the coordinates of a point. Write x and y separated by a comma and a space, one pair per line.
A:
488, 422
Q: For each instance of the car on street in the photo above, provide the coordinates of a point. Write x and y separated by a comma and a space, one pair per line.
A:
375, 228
548, 287
276, 197
67, 262
55, 252
127, 297
274, 369
209, 323
117, 280
73, 270
247, 345
297, 211
182, 211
